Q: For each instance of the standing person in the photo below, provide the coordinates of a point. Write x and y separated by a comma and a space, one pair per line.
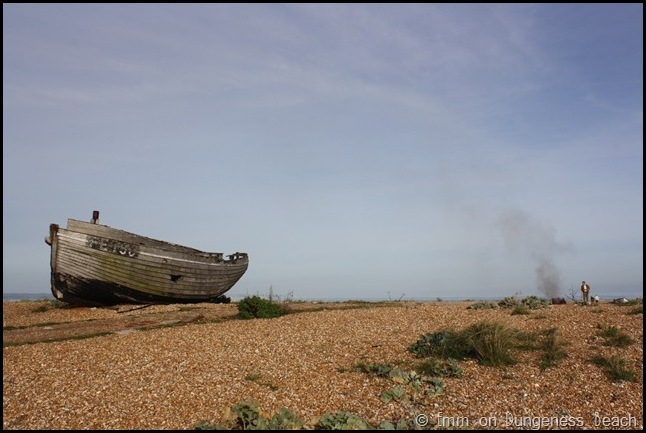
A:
585, 289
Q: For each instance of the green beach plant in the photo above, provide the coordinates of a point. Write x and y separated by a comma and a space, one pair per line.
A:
491, 343
535, 303
521, 309
508, 302
488, 342
443, 344
440, 368
483, 305
396, 394
614, 336
615, 368
553, 349
531, 302
256, 307
51, 304
381, 370
248, 416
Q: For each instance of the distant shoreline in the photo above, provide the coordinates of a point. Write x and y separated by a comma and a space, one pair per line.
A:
25, 296
237, 297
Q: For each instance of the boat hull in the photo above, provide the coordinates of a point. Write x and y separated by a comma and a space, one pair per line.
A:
95, 264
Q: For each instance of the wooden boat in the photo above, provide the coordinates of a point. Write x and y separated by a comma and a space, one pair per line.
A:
94, 264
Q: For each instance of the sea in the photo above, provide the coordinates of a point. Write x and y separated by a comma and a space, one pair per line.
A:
24, 296
238, 297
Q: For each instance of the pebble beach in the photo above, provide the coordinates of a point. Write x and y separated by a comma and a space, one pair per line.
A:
174, 377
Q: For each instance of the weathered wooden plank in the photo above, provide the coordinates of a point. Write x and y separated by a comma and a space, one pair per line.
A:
100, 264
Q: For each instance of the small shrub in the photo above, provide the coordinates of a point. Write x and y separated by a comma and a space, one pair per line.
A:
520, 309
629, 302
615, 368
488, 342
615, 337
491, 343
285, 420
420, 383
508, 302
526, 340
443, 344
248, 416
381, 370
439, 367
256, 307
483, 305
206, 425
256, 378
534, 302
531, 302
50, 304
396, 394
554, 349
342, 421
252, 377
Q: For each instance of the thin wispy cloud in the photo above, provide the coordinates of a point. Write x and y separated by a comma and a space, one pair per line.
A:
351, 150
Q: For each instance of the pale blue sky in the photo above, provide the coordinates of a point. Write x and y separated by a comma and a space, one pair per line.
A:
354, 151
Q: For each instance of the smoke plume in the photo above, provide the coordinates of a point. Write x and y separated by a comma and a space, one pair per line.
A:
525, 234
